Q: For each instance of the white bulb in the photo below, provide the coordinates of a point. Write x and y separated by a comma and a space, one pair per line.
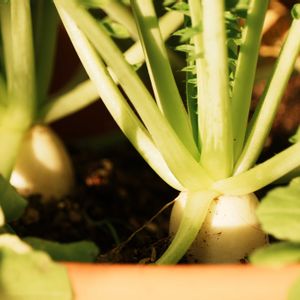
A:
229, 233
43, 165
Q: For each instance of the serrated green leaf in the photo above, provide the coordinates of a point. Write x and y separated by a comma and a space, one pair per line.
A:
185, 48
277, 255
12, 203
279, 212
186, 33
115, 29
181, 7
31, 275
82, 251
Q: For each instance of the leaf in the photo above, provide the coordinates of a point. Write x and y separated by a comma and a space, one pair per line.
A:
294, 292
83, 251
115, 29
93, 3
296, 137
279, 212
31, 275
277, 255
12, 203
186, 33
296, 11
180, 6
12, 242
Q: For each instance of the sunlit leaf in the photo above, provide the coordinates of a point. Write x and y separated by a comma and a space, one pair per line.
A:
279, 212
277, 254
31, 275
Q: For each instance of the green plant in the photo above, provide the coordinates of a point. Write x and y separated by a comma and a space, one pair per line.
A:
209, 151
28, 44
33, 158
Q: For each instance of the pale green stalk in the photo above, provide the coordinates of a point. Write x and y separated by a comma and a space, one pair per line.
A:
79, 97
262, 120
160, 72
86, 93
20, 109
115, 102
168, 23
262, 174
46, 22
6, 42
213, 100
178, 158
192, 219
193, 101
245, 71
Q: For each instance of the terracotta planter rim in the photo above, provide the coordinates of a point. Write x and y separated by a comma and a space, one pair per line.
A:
226, 282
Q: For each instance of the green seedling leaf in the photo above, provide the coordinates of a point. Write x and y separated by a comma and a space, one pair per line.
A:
27, 274
277, 255
83, 251
279, 212
12, 203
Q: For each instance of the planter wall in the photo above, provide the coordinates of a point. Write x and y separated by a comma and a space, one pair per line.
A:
212, 282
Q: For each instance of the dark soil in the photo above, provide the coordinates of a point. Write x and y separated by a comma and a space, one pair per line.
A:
116, 195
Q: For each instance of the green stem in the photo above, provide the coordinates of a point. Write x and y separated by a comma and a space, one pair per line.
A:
7, 42
193, 217
115, 102
18, 116
245, 71
178, 158
201, 72
46, 22
85, 93
264, 115
159, 69
213, 100
22, 93
79, 97
262, 174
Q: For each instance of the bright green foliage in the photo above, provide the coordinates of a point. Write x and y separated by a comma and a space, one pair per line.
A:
206, 146
279, 213
277, 254
27, 274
